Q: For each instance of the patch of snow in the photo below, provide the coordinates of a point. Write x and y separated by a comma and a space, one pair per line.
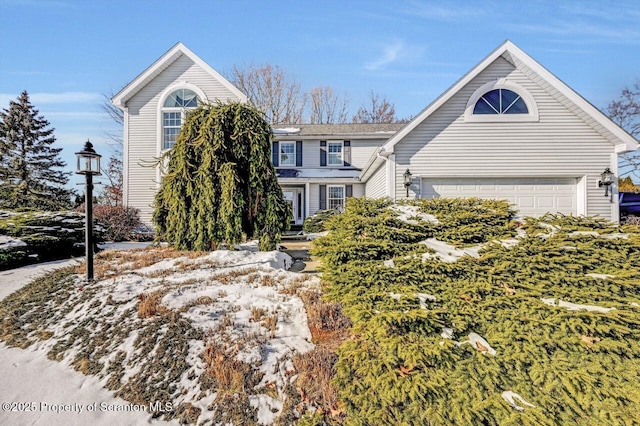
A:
479, 343
600, 276
423, 297
406, 212
8, 242
285, 130
509, 242
575, 307
511, 398
615, 236
448, 253
447, 333
389, 263
268, 408
634, 304
312, 236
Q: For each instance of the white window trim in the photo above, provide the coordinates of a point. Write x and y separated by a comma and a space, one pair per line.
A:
341, 163
280, 154
162, 99
502, 83
202, 98
344, 195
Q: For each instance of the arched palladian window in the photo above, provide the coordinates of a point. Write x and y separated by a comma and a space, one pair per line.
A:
501, 101
174, 109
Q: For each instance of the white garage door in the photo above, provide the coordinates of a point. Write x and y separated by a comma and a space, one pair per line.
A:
532, 197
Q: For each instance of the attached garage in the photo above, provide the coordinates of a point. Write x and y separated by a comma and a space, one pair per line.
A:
532, 197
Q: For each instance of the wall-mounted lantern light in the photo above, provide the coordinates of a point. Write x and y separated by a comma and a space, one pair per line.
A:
407, 180
88, 165
606, 180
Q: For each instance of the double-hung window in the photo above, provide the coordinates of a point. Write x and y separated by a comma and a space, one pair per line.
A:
174, 111
335, 153
335, 196
287, 154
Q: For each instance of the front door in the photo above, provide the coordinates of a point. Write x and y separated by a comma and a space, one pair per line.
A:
293, 197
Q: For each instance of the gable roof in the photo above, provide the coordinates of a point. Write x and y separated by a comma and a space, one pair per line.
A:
513, 54
179, 49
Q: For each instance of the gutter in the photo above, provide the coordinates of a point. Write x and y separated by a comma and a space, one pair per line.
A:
374, 162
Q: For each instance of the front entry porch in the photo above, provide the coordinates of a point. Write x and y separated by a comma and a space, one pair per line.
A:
296, 199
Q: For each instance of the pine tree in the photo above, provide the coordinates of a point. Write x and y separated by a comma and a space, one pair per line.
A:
31, 174
219, 183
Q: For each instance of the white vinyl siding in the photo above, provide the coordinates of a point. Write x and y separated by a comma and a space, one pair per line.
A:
143, 127
533, 197
377, 183
361, 152
559, 145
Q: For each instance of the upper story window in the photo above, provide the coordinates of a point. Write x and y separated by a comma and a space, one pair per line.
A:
501, 101
335, 154
174, 110
287, 153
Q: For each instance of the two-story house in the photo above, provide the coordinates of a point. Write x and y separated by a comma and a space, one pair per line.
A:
319, 165
507, 129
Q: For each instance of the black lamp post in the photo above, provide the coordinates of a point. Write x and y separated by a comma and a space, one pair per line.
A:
407, 180
88, 165
606, 181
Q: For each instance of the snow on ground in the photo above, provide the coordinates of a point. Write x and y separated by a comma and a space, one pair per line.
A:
13, 279
244, 299
8, 242
44, 392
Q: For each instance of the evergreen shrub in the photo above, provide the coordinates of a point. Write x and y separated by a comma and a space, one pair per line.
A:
447, 343
44, 236
315, 222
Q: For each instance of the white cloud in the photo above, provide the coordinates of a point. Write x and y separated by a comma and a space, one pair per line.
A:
390, 54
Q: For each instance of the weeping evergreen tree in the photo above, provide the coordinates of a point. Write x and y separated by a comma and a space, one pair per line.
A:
220, 183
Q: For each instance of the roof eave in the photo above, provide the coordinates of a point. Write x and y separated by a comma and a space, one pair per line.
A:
179, 49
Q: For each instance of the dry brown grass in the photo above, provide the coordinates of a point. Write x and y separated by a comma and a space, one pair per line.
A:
230, 375
328, 325
149, 304
113, 262
329, 328
315, 371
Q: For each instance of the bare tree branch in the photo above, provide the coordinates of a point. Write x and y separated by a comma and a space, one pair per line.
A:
326, 107
272, 91
625, 111
378, 111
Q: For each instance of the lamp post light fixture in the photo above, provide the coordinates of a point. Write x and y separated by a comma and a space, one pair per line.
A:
88, 165
606, 181
407, 180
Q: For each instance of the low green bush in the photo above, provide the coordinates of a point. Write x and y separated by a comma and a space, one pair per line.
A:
315, 223
29, 237
443, 343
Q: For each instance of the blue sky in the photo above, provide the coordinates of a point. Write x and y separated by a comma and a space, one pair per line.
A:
68, 53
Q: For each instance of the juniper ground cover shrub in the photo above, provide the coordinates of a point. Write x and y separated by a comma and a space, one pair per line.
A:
539, 329
30, 237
